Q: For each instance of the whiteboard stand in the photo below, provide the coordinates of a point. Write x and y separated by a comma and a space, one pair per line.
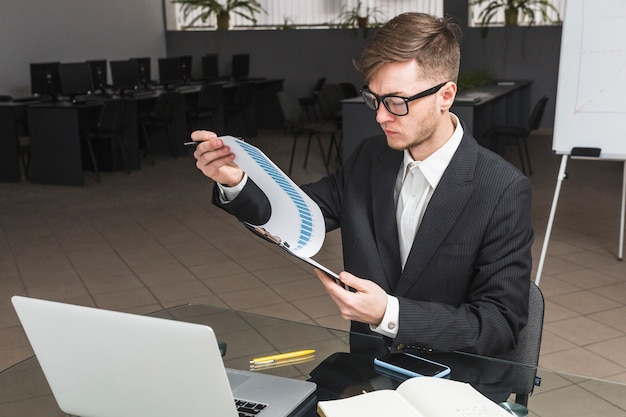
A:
561, 176
623, 213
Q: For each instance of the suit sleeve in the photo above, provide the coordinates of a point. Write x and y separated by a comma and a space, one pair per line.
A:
251, 205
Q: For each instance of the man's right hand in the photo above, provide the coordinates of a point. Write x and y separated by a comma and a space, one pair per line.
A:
215, 160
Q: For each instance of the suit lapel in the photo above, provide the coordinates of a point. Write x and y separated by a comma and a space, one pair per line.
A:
384, 174
444, 208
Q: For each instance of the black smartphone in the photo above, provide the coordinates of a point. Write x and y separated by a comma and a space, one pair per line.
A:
408, 365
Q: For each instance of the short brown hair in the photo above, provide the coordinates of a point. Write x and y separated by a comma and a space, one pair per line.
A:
432, 41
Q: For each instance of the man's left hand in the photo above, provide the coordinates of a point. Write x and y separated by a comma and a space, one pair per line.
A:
367, 304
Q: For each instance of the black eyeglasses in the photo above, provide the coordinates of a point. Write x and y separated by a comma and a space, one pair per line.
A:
396, 105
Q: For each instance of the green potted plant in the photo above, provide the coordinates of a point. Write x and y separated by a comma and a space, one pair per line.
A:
359, 17
247, 9
513, 11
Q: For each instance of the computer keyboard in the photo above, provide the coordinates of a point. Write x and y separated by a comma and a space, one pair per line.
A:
30, 99
187, 88
141, 94
248, 408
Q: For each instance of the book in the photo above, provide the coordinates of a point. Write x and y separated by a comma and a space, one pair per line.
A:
416, 397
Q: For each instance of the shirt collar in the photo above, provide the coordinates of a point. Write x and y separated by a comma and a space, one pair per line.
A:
434, 166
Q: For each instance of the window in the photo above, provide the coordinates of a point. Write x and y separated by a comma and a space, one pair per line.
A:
320, 14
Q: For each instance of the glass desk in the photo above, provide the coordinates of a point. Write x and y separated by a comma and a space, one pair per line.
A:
25, 392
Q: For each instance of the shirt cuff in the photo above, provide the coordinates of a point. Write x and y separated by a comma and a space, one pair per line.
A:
228, 194
389, 324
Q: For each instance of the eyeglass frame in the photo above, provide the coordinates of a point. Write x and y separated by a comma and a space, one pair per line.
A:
381, 99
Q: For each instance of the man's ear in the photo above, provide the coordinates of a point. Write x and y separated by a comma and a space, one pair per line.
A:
448, 93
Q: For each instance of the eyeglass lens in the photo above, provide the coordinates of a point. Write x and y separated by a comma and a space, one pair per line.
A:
395, 105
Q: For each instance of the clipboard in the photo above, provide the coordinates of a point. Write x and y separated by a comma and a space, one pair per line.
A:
296, 222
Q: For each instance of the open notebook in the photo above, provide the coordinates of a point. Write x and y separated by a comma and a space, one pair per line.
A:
102, 363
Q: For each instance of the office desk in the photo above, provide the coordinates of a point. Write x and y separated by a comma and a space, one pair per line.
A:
56, 131
507, 102
12, 125
25, 392
503, 103
264, 111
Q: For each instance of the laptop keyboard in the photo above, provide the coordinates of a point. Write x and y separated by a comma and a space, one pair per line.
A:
248, 408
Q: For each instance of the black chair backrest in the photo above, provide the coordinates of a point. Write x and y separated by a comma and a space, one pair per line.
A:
349, 90
291, 109
537, 114
319, 84
528, 346
114, 115
329, 99
165, 107
210, 97
246, 93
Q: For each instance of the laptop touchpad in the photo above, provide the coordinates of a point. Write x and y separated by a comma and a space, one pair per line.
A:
236, 379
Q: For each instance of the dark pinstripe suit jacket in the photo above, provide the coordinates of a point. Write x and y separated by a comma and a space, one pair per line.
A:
465, 283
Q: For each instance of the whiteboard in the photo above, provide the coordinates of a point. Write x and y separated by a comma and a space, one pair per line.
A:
591, 91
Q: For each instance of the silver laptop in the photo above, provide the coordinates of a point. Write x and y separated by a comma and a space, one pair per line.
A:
102, 363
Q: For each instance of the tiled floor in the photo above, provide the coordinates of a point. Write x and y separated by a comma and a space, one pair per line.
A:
152, 239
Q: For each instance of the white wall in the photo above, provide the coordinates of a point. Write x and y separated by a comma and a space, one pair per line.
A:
74, 31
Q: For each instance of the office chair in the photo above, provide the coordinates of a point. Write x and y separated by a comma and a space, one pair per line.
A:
237, 113
527, 350
329, 101
520, 134
207, 106
295, 120
349, 90
111, 124
161, 118
22, 140
309, 103
23, 149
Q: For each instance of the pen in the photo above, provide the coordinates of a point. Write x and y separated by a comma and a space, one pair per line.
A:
267, 360
192, 143
284, 362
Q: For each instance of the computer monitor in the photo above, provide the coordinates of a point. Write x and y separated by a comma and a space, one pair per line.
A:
75, 79
240, 66
125, 75
185, 67
145, 72
99, 75
210, 69
44, 79
170, 71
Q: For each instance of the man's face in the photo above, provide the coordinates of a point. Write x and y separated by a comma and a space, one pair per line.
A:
427, 125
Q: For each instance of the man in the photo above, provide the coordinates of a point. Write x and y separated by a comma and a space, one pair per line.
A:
436, 230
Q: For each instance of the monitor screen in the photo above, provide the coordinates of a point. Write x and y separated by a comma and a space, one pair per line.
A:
185, 67
170, 71
241, 66
125, 74
99, 75
210, 71
145, 72
75, 79
44, 78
